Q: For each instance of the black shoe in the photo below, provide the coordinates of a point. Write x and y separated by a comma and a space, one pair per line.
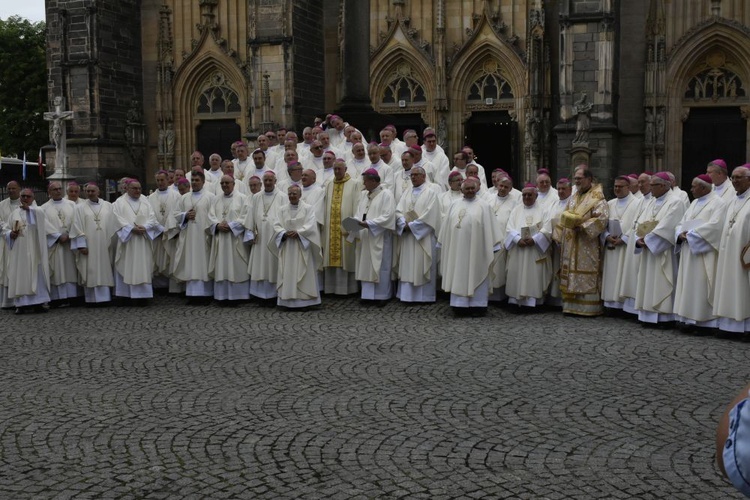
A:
19, 310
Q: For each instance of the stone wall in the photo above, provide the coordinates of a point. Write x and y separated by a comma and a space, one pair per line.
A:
308, 57
94, 55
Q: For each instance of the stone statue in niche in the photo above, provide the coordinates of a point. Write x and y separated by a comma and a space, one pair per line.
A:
649, 127
582, 109
661, 121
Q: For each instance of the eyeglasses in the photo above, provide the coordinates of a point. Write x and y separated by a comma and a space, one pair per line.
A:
26, 196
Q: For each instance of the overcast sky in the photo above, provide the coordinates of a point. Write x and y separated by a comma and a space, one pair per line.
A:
33, 10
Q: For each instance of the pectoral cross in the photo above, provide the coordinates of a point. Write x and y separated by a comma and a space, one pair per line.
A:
461, 216
163, 209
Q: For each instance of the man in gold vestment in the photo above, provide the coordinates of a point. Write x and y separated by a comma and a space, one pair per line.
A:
584, 219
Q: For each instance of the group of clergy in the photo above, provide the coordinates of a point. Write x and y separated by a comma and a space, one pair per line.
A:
330, 214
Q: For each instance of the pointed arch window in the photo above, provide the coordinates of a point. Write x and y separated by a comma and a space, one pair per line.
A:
403, 90
218, 98
489, 83
715, 84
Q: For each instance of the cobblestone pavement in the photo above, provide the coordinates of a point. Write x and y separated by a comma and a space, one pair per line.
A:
349, 401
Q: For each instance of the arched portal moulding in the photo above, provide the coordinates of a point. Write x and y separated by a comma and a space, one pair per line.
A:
688, 58
398, 55
190, 80
484, 46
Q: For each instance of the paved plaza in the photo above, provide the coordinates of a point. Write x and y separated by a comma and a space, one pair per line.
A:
349, 401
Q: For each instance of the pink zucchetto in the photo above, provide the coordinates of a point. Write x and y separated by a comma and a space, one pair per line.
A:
529, 185
663, 176
454, 174
371, 171
705, 178
633, 176
564, 180
719, 163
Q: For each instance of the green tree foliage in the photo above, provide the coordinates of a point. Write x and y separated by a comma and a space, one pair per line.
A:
23, 87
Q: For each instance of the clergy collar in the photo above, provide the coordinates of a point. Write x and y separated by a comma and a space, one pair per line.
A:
163, 191
196, 193
309, 188
565, 200
375, 191
743, 195
133, 200
624, 199
57, 202
270, 193
661, 199
529, 208
723, 185
418, 189
229, 195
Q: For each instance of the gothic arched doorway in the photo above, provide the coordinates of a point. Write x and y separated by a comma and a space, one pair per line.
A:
711, 133
494, 138
217, 136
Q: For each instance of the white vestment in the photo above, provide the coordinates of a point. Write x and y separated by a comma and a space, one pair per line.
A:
190, 263
447, 198
554, 296
501, 210
387, 176
134, 260
28, 260
314, 196
529, 268
657, 273
547, 200
299, 258
374, 247
696, 277
6, 208
467, 239
63, 275
441, 166
93, 229
163, 204
725, 191
419, 208
229, 256
732, 290
624, 211
263, 265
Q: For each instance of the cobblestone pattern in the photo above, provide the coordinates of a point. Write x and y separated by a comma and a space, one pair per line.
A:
349, 401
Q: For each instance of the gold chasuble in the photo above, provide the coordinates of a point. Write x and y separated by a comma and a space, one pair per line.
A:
584, 219
334, 234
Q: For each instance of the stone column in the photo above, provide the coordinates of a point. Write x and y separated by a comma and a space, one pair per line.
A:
356, 70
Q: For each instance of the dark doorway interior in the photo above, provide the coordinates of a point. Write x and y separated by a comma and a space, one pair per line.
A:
708, 134
217, 136
494, 137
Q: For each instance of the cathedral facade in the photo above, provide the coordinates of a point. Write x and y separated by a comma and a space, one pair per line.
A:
621, 86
